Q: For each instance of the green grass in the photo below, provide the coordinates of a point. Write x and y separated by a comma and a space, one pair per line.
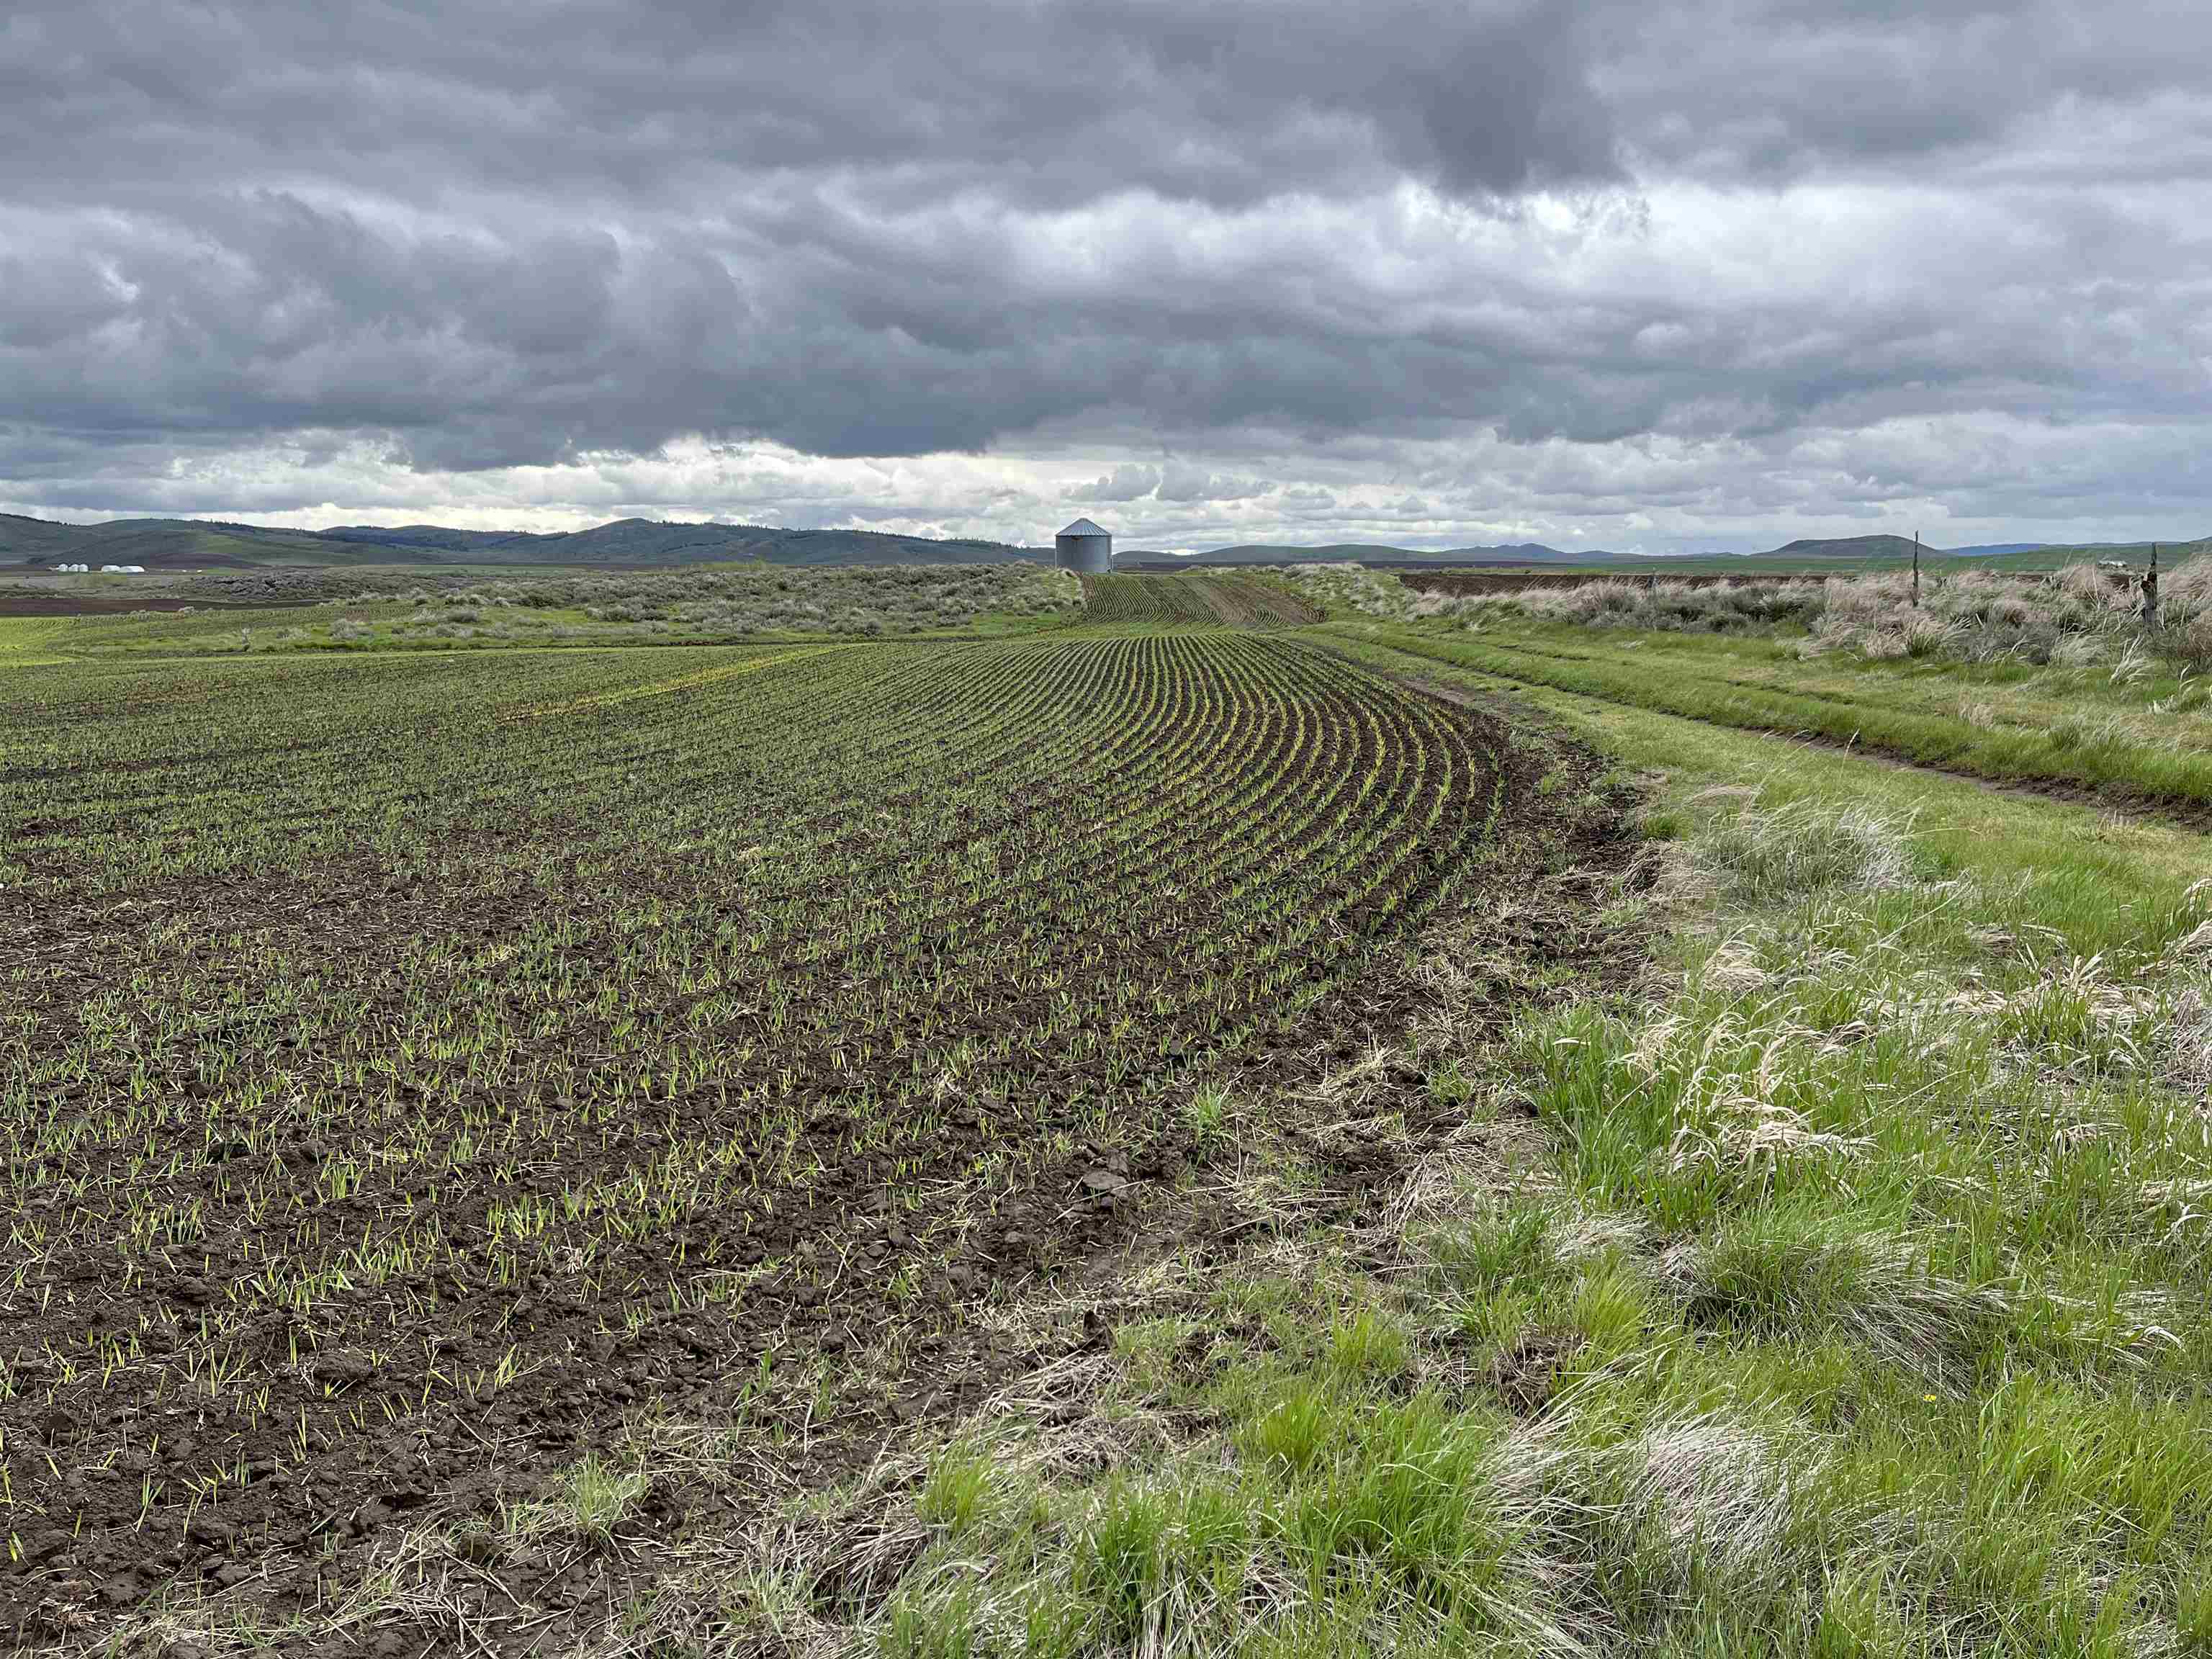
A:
1863, 1287
2103, 881
2149, 738
27, 641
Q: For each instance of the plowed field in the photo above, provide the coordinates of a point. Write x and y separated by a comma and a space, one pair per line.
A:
412, 1063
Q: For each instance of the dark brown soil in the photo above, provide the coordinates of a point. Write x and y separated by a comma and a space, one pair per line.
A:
1526, 1375
821, 1326
17, 601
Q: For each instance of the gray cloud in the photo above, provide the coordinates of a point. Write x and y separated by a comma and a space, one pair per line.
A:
1125, 483
644, 102
1183, 481
450, 256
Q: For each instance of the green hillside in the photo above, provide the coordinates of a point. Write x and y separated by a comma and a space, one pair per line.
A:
170, 544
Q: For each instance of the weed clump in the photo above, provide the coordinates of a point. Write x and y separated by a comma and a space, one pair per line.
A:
1795, 1273
1767, 855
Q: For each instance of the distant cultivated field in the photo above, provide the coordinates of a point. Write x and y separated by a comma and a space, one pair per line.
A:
1223, 601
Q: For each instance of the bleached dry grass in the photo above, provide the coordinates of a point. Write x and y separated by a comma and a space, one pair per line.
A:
2079, 617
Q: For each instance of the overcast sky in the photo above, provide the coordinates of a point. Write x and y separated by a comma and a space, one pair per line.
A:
1641, 274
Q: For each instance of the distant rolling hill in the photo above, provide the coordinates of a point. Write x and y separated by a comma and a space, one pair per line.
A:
168, 544
1846, 547
188, 543
2042, 556
1895, 547
191, 544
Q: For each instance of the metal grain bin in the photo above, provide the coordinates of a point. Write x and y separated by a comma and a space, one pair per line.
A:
1084, 547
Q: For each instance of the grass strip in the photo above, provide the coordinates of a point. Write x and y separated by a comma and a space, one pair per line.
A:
2080, 752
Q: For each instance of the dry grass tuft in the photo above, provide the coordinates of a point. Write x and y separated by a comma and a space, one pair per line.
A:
1762, 856
1795, 1274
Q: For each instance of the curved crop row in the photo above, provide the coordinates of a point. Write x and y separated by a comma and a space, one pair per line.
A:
414, 1055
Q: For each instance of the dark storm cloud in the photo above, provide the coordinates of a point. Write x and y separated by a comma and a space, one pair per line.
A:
509, 232
1774, 86
1045, 103
479, 234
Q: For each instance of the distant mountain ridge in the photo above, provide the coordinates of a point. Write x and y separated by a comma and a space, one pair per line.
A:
192, 543
195, 544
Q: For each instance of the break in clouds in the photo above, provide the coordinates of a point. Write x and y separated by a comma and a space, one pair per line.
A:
1656, 274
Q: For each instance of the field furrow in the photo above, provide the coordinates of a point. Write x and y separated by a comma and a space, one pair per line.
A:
417, 1057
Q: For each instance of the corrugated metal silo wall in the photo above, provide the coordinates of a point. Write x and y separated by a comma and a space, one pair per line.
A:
1093, 555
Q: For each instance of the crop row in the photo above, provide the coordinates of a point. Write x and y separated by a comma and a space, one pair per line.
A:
408, 1056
